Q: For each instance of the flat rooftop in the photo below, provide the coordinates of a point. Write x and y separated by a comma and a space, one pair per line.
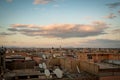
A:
107, 66
32, 72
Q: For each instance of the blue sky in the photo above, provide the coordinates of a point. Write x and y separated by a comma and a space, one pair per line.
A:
46, 23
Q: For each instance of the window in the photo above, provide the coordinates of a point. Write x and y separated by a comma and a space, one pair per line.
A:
89, 56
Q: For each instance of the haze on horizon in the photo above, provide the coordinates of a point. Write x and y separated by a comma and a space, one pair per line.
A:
69, 23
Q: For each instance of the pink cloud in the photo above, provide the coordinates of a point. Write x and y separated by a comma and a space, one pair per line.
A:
110, 16
9, 0
42, 1
24, 26
61, 30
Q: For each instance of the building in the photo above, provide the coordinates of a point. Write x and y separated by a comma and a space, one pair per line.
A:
102, 70
98, 57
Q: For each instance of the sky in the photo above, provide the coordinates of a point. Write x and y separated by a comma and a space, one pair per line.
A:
55, 23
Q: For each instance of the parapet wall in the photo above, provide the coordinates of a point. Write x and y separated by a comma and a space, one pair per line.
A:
89, 67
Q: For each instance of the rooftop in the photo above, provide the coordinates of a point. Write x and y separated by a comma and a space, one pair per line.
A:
107, 66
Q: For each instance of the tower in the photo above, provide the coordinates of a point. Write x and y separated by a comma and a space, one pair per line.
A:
60, 47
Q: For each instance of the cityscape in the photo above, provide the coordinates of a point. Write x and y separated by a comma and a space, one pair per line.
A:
60, 63
59, 40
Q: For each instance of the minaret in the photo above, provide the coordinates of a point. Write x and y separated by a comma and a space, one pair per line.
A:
52, 49
2, 62
60, 48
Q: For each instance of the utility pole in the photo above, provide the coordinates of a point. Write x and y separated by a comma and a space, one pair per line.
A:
2, 62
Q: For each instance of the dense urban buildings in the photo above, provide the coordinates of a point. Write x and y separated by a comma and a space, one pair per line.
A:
60, 63
60, 39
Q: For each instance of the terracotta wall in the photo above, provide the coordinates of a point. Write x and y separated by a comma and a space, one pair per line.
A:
110, 78
98, 57
69, 64
89, 67
21, 65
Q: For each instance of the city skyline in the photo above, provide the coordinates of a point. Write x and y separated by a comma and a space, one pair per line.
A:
69, 23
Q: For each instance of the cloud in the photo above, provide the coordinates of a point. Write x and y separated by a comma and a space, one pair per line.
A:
119, 11
24, 26
110, 16
9, 0
56, 5
87, 17
6, 34
103, 43
42, 1
116, 31
61, 30
0, 26
114, 5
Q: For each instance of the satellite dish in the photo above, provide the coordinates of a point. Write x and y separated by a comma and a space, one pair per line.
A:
58, 72
78, 69
40, 66
44, 57
47, 72
54, 55
28, 58
44, 65
7, 51
13, 51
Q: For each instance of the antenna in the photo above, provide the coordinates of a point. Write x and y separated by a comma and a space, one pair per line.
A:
47, 72
44, 65
40, 66
78, 69
58, 72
